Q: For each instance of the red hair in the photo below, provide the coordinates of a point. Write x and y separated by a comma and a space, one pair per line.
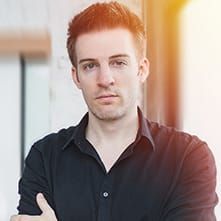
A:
101, 16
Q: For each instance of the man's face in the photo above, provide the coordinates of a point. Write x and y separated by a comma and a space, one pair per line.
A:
108, 72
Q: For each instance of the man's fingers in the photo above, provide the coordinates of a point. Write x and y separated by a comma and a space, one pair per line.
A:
14, 218
24, 218
47, 212
43, 204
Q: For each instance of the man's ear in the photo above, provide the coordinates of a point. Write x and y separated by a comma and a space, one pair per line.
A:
75, 77
143, 69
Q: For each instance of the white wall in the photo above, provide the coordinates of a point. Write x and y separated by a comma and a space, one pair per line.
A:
37, 100
201, 75
21, 15
10, 134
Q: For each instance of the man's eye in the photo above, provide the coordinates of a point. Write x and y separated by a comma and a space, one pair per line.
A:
89, 66
118, 63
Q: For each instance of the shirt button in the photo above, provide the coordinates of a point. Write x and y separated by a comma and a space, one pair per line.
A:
105, 194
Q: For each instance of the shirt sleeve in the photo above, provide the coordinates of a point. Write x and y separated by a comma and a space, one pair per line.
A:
33, 181
194, 197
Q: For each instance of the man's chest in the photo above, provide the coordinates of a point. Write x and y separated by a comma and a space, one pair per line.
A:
129, 191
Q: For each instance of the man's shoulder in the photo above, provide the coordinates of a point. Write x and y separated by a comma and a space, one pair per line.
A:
55, 140
170, 141
175, 136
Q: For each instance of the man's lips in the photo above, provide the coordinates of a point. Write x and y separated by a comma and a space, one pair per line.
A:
103, 96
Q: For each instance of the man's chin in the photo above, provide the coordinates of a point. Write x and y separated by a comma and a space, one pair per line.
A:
108, 115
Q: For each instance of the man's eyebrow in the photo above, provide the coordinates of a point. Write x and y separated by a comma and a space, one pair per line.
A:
111, 57
119, 56
86, 60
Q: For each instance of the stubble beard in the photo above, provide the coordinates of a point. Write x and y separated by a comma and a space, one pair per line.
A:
115, 112
108, 115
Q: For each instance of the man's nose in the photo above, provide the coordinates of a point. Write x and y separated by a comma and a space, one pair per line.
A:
105, 76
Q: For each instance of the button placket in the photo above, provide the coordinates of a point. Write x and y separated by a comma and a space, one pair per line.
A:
105, 200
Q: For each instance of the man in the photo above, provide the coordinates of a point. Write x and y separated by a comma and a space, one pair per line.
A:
115, 165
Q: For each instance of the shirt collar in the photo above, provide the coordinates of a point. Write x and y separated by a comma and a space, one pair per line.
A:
79, 132
144, 128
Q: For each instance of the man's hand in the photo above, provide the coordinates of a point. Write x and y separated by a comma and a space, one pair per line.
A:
47, 212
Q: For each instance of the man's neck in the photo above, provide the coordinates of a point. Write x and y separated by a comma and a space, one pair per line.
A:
120, 132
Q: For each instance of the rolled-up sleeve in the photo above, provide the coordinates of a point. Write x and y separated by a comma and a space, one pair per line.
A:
32, 182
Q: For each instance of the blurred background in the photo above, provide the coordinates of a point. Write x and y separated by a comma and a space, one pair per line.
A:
37, 95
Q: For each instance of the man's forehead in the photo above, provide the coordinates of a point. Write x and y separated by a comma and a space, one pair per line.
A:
100, 32
105, 43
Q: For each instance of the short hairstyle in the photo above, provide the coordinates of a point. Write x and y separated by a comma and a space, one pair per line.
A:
101, 16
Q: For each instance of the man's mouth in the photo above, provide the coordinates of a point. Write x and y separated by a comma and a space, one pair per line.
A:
106, 96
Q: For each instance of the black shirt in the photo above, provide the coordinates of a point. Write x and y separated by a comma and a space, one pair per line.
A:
165, 175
